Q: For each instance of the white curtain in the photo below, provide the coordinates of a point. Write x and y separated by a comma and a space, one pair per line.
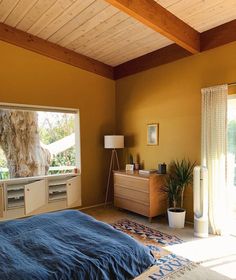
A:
214, 152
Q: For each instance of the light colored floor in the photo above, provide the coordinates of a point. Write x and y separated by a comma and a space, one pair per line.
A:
218, 253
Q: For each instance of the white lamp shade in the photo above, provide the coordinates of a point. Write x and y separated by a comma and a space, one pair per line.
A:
113, 141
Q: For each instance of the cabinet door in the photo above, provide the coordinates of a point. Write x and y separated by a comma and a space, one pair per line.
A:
35, 196
74, 192
1, 202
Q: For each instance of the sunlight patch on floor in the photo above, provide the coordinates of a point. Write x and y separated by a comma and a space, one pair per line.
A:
225, 266
217, 253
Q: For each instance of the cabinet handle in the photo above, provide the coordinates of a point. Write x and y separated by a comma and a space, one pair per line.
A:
27, 190
69, 184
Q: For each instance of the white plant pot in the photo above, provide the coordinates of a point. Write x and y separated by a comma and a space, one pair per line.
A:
176, 219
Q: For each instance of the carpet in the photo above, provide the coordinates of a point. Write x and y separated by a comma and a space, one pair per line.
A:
169, 266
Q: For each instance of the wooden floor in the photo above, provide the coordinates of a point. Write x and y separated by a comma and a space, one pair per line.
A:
218, 253
110, 215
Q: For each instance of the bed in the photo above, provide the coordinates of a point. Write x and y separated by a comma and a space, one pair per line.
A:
68, 245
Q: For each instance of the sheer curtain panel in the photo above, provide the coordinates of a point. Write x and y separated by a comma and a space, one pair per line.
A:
213, 154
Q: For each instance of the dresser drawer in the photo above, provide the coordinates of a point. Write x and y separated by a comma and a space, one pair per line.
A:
132, 193
131, 205
141, 184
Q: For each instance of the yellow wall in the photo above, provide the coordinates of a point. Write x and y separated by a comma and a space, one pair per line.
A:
170, 95
29, 78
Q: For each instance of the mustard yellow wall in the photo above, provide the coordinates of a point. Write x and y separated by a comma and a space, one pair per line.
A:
29, 78
170, 95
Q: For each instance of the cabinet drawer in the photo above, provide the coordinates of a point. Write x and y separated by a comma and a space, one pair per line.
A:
131, 205
131, 193
142, 184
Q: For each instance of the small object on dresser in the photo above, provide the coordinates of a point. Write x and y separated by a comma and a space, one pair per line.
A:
129, 167
137, 163
161, 168
147, 171
136, 166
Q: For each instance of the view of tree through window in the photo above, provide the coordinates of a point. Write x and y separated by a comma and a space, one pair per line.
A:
34, 143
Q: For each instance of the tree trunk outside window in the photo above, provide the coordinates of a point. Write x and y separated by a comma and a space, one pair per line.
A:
19, 140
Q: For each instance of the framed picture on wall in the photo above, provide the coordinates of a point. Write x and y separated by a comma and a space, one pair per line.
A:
153, 134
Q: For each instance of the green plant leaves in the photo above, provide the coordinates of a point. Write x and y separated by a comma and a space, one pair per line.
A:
179, 177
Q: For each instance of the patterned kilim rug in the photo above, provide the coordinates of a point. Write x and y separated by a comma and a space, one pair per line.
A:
169, 265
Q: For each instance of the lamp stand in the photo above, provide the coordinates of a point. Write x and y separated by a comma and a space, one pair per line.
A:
114, 159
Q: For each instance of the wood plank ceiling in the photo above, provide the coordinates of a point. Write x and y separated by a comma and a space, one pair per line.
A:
100, 31
202, 15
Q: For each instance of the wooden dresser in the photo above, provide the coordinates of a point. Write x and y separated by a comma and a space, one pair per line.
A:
141, 194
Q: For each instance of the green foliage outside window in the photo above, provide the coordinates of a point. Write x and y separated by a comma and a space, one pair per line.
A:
231, 141
232, 137
54, 128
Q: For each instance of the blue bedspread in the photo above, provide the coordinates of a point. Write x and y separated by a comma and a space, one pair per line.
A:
68, 245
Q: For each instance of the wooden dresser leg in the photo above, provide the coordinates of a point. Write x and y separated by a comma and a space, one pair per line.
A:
150, 219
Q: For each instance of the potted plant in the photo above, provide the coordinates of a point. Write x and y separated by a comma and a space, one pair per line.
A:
180, 176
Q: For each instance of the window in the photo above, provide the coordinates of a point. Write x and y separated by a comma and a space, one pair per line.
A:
231, 143
231, 159
38, 141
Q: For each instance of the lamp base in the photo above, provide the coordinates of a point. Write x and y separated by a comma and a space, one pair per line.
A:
114, 160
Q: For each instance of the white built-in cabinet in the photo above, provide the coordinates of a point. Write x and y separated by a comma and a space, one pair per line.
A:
28, 196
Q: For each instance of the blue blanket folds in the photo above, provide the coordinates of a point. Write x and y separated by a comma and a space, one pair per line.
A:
68, 245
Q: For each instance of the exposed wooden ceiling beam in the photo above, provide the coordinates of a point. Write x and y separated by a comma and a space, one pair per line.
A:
38, 45
162, 56
218, 36
158, 18
210, 39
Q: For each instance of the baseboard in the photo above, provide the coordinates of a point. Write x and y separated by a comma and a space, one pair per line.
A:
94, 206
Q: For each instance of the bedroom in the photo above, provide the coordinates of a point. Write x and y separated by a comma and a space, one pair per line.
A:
167, 93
